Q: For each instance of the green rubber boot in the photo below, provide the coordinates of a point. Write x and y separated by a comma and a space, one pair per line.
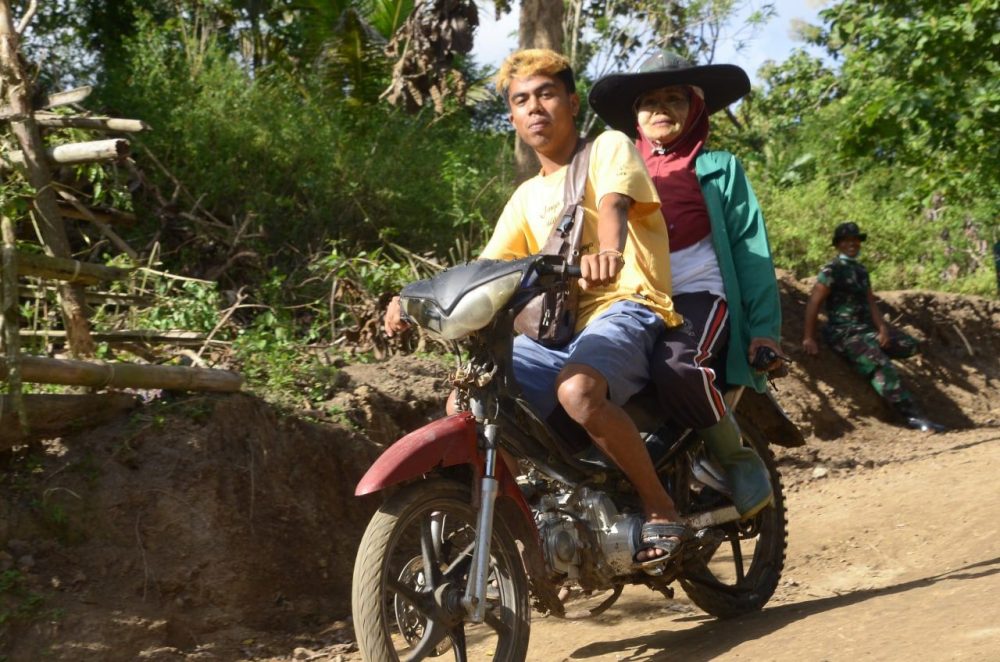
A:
745, 471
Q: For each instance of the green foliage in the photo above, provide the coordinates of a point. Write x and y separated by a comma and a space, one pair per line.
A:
895, 138
308, 163
920, 88
279, 366
942, 247
182, 304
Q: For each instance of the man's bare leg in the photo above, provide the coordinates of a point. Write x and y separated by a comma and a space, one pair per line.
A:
582, 392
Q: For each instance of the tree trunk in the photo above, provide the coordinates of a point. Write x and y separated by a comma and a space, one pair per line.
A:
50, 223
540, 25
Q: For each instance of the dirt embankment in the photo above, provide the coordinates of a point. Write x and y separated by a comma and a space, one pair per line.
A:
218, 528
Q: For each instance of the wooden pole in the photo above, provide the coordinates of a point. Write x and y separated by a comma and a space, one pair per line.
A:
109, 124
8, 320
114, 149
64, 269
50, 223
179, 338
65, 98
76, 95
93, 298
43, 370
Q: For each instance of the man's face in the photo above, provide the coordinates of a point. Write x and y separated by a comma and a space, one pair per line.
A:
542, 112
849, 246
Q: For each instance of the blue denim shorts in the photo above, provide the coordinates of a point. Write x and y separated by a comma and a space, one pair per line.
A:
616, 343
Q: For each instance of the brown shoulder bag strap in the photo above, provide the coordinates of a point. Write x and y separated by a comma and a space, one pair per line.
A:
570, 225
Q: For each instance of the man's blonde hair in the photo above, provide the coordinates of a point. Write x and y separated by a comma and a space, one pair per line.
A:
530, 62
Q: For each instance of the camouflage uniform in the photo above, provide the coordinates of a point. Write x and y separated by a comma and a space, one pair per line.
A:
851, 333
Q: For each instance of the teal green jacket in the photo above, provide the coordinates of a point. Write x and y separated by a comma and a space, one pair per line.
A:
740, 240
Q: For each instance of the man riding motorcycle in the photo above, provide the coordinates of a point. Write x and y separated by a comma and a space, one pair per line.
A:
625, 270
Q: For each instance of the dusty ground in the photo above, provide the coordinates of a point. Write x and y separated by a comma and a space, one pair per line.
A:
215, 528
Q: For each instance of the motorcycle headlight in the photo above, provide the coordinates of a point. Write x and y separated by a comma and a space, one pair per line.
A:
473, 311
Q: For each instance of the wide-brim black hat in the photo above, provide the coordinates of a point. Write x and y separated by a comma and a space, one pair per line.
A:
613, 97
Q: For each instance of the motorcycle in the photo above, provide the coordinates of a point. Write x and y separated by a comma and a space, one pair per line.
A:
494, 511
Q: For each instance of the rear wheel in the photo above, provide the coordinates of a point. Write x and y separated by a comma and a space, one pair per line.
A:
410, 575
743, 572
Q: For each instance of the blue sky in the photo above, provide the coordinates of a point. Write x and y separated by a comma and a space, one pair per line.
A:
775, 41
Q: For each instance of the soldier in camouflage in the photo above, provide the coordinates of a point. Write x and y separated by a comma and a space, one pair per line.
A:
856, 330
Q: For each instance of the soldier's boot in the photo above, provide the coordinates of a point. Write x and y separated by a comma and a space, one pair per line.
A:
915, 419
745, 471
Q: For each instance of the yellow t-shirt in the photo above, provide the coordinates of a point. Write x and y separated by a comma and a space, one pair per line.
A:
615, 167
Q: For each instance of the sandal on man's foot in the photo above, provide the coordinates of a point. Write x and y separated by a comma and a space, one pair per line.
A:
667, 536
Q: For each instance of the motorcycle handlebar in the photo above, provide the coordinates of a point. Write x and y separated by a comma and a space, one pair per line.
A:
566, 270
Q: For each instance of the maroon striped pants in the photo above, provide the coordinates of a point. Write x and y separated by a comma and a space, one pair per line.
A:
682, 360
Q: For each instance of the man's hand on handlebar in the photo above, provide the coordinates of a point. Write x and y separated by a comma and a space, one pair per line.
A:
394, 322
600, 268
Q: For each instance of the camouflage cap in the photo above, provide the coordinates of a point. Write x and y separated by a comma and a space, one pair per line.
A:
848, 229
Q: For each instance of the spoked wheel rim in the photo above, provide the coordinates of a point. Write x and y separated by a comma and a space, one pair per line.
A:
739, 564
424, 579
739, 554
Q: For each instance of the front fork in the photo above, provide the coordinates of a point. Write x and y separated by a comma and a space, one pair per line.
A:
475, 591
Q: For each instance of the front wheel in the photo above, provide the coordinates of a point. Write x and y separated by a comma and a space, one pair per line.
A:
743, 572
410, 575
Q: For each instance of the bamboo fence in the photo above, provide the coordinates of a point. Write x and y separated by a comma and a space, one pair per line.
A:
51, 260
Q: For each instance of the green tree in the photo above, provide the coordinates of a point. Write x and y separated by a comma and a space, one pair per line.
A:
920, 87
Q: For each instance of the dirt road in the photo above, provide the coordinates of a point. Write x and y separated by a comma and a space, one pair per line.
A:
894, 562
898, 561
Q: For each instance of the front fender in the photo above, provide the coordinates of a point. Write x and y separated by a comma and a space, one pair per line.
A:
445, 442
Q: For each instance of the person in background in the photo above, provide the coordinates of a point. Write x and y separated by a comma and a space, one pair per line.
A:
856, 330
723, 276
623, 305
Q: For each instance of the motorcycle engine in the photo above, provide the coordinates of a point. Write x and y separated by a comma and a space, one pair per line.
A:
585, 537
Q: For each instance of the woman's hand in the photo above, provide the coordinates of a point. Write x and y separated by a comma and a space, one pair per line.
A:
394, 322
810, 346
757, 343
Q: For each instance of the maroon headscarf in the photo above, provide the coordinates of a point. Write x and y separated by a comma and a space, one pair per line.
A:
672, 169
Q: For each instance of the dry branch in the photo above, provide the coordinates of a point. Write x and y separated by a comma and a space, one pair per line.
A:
66, 269
43, 370
103, 214
105, 230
